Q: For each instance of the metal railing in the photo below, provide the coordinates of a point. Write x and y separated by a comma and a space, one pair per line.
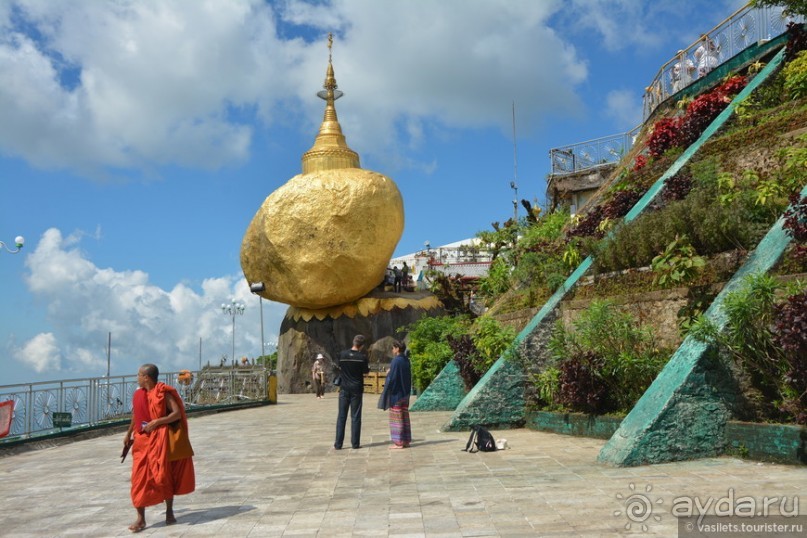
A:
467, 269
746, 27
591, 153
99, 400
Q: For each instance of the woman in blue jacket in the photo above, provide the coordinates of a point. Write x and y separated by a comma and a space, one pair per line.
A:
395, 396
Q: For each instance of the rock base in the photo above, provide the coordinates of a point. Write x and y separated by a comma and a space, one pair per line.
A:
378, 316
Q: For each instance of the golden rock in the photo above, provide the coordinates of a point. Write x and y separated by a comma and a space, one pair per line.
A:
325, 237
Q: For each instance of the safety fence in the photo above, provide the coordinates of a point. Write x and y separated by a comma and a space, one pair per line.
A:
50, 406
591, 153
745, 27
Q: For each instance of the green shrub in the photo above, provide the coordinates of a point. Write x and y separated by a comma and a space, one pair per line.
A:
710, 227
752, 110
793, 169
795, 75
491, 339
627, 357
749, 337
678, 264
704, 172
268, 361
429, 348
533, 263
547, 384
497, 281
548, 228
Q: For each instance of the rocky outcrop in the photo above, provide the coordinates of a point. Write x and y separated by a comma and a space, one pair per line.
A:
378, 316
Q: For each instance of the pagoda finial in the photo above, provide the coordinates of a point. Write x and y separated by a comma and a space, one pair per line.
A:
330, 150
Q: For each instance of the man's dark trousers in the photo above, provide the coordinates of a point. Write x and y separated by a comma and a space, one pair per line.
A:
349, 399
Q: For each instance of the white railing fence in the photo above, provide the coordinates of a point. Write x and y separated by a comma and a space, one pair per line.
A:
40, 408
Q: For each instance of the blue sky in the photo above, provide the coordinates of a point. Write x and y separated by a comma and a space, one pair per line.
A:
138, 138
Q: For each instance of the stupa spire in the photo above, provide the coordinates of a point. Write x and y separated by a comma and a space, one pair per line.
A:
330, 150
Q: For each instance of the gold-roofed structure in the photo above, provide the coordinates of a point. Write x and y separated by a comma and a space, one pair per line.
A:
330, 150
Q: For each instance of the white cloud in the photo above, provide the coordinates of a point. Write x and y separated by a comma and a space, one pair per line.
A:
449, 65
148, 324
40, 353
642, 25
108, 85
619, 23
132, 84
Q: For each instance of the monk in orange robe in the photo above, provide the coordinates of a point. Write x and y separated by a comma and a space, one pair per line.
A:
154, 478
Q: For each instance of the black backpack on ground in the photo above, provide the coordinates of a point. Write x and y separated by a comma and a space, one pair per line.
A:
481, 439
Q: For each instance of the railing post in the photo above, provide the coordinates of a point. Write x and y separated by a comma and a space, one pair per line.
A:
92, 402
231, 391
29, 410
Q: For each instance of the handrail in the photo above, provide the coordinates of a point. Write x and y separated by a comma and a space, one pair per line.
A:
745, 27
98, 400
591, 153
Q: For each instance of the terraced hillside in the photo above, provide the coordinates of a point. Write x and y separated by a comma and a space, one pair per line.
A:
709, 177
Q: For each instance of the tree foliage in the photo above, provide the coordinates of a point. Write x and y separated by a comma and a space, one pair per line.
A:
429, 347
793, 7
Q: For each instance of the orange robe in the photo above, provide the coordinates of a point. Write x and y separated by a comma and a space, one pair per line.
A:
154, 478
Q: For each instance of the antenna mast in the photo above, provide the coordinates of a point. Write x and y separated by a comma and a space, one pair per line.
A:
514, 183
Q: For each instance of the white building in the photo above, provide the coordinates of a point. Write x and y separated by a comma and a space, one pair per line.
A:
469, 258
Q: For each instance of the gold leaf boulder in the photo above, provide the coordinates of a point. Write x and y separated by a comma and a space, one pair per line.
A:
324, 238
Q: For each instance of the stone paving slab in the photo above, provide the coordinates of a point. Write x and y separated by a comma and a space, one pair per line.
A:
271, 472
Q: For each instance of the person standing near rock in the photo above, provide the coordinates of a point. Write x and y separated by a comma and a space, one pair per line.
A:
318, 375
353, 364
396, 286
405, 275
395, 396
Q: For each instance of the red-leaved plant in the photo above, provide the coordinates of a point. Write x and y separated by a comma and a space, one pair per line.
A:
663, 137
795, 225
790, 333
706, 107
683, 131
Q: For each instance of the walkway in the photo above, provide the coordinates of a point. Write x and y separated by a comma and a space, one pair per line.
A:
272, 471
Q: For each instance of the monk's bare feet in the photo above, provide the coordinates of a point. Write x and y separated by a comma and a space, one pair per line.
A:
396, 447
170, 520
137, 526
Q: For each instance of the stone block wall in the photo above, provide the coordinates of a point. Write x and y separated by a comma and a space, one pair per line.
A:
657, 309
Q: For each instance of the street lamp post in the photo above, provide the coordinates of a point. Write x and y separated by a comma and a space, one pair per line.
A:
233, 309
256, 288
272, 345
19, 241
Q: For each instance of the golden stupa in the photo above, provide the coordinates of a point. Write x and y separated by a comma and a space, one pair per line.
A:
324, 238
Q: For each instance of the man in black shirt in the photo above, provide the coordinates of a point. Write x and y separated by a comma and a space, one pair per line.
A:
353, 364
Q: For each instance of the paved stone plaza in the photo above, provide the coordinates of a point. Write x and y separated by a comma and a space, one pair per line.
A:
272, 471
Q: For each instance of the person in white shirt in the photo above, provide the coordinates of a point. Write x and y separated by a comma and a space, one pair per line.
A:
706, 55
681, 72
